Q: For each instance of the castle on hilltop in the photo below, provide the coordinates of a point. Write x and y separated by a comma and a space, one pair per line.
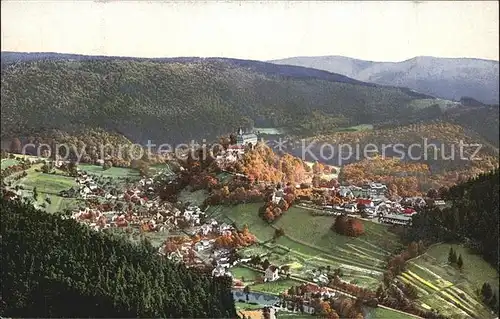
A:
243, 138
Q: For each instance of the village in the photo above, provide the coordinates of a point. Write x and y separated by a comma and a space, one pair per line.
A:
194, 235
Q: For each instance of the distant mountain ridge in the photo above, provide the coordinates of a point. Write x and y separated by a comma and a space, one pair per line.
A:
447, 78
291, 71
180, 99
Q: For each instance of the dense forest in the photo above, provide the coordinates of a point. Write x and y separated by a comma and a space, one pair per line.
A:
472, 217
58, 268
483, 120
176, 101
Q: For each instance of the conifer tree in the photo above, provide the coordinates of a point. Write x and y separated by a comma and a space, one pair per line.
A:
486, 292
460, 262
452, 256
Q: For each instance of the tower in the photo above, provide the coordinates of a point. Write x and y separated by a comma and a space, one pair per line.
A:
240, 131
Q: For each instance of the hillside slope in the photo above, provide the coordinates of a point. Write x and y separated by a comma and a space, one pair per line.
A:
178, 101
473, 214
440, 77
57, 268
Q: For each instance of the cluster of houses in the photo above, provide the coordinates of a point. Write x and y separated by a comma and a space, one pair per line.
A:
236, 151
227, 157
87, 186
370, 202
151, 215
224, 259
148, 214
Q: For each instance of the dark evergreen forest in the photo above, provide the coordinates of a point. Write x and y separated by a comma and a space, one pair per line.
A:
58, 268
472, 217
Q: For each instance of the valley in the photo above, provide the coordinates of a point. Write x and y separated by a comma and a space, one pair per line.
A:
280, 212
306, 246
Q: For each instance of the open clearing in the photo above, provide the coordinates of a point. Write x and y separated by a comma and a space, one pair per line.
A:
275, 287
194, 198
117, 172
269, 130
382, 313
309, 243
48, 186
283, 314
6, 162
244, 274
356, 128
447, 289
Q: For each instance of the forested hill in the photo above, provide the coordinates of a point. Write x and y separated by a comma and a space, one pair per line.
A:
473, 216
59, 268
9, 58
178, 101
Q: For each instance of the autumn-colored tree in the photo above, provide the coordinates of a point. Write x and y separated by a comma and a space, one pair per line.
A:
443, 190
393, 190
225, 192
397, 264
432, 193
278, 233
236, 239
345, 307
325, 310
265, 264
107, 165
340, 225
269, 216
289, 198
318, 168
355, 227
413, 249
170, 247
210, 181
316, 181
15, 146
348, 226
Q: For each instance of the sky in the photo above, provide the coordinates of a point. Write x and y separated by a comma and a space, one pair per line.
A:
263, 30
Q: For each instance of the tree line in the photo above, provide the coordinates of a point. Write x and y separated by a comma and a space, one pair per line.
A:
53, 267
183, 100
472, 217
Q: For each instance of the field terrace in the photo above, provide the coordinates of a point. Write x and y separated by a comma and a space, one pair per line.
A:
442, 287
310, 248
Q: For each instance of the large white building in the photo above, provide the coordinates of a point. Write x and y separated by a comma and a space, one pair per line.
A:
245, 138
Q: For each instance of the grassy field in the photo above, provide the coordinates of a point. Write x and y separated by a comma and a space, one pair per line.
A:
290, 315
270, 130
356, 128
246, 306
244, 214
6, 162
195, 198
381, 313
48, 186
244, 274
116, 172
275, 287
309, 243
424, 103
447, 289
159, 167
